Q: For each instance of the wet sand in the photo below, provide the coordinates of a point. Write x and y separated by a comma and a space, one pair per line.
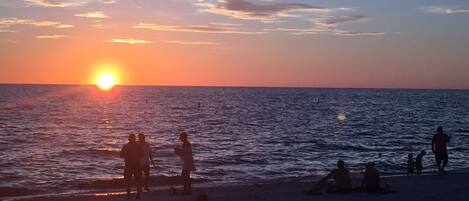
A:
452, 187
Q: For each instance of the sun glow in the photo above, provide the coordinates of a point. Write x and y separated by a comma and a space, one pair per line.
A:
105, 81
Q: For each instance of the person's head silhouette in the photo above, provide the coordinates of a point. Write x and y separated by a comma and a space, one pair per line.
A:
340, 164
141, 137
132, 138
183, 136
439, 129
370, 165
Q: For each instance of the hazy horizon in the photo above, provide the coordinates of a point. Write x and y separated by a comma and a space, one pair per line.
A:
231, 86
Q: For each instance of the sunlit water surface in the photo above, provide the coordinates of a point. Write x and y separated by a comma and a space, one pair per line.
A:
56, 137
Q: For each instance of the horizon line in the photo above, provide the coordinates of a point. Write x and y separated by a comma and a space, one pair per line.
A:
234, 86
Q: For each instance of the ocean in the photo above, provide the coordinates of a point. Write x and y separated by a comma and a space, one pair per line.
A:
58, 138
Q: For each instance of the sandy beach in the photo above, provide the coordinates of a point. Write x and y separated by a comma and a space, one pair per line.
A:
452, 187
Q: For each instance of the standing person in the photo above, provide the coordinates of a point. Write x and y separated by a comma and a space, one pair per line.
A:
418, 162
439, 147
146, 159
410, 165
132, 153
185, 153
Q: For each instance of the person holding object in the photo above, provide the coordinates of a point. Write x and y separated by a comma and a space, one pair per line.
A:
185, 153
146, 160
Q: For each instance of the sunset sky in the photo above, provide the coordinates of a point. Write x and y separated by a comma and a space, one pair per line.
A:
292, 43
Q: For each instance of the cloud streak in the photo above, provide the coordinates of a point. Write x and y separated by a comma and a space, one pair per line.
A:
330, 25
64, 3
55, 4
445, 10
50, 36
192, 42
266, 12
131, 41
194, 28
6, 23
95, 14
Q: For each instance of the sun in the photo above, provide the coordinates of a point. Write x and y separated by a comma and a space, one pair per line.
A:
105, 81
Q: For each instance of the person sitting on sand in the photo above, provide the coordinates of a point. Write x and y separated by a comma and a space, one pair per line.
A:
132, 153
342, 181
410, 165
145, 160
370, 181
185, 153
418, 162
439, 147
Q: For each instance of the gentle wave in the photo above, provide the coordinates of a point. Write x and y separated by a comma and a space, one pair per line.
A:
53, 137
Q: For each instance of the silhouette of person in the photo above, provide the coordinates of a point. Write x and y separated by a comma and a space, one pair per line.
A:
185, 153
132, 153
370, 181
145, 160
439, 147
342, 181
418, 162
410, 165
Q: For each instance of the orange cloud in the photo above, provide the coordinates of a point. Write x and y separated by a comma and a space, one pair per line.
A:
50, 36
95, 14
131, 41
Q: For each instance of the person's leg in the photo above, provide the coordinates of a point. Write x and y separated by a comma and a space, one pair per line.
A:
445, 162
189, 182
138, 180
146, 174
438, 162
185, 174
127, 180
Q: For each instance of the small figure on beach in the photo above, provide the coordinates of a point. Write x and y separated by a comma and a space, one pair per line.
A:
146, 160
185, 153
440, 142
410, 165
418, 162
132, 153
370, 182
342, 181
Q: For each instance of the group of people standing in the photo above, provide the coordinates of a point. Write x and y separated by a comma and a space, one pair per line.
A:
342, 182
138, 157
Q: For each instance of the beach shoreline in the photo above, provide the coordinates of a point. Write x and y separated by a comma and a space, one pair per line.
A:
426, 187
